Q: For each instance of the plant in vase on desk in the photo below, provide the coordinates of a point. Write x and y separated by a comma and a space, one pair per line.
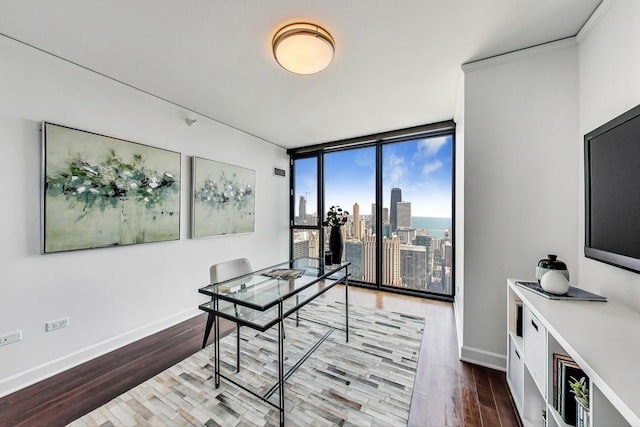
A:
336, 218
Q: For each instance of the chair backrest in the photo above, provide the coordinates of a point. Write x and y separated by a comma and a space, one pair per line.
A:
229, 269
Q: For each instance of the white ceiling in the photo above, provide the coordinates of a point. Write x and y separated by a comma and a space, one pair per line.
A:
397, 63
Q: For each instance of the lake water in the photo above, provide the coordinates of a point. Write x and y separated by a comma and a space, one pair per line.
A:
434, 225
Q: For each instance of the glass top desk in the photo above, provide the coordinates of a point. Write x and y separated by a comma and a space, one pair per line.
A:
263, 299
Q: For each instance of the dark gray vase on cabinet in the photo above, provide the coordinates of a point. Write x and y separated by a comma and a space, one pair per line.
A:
335, 244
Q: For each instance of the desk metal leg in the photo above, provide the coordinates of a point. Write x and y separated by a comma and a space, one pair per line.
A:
281, 362
346, 306
207, 330
237, 340
216, 332
237, 347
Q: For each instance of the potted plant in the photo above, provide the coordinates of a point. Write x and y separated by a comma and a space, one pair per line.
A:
580, 390
336, 218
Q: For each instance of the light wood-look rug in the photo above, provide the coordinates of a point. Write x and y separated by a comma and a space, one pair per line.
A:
365, 382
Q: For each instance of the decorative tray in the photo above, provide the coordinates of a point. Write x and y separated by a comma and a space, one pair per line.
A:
574, 294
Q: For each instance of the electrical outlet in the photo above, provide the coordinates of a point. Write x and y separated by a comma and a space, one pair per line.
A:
56, 324
11, 338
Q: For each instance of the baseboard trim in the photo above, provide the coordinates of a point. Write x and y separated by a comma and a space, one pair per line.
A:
484, 358
459, 330
46, 370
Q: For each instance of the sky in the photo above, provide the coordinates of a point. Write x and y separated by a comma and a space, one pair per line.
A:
421, 168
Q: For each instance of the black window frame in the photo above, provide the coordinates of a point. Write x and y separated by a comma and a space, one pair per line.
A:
445, 128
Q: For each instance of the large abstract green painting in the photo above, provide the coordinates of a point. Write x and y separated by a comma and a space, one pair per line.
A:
223, 199
100, 191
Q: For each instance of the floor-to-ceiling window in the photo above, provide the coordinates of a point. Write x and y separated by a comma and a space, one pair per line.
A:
305, 230
350, 182
398, 189
418, 191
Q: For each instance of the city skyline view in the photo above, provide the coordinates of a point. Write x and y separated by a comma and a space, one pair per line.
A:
415, 234
422, 168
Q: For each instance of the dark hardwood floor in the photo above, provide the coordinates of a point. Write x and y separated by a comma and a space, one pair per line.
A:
447, 392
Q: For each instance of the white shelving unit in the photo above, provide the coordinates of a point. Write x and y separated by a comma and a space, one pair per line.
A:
602, 337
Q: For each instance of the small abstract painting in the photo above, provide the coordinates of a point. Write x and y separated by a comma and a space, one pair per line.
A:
223, 199
99, 191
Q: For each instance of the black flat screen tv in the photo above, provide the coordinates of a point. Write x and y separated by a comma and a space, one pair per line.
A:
612, 192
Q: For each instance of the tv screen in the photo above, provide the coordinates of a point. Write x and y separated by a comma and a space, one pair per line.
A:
612, 186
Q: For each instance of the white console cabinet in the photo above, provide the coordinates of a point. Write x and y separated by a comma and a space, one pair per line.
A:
602, 337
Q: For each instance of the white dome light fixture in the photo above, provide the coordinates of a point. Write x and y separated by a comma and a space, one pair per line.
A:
303, 48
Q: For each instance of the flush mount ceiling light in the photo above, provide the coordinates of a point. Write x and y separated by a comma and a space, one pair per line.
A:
303, 48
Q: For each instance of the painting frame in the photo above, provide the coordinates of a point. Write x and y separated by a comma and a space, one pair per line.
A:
222, 199
99, 191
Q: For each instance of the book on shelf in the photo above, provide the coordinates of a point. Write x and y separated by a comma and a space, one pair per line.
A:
565, 368
558, 392
519, 318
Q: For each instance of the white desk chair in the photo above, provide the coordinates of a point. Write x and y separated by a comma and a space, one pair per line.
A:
219, 273
229, 269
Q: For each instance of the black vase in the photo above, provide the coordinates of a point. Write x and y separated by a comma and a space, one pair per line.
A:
335, 244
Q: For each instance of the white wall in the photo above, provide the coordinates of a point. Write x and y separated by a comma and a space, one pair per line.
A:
112, 296
609, 85
521, 156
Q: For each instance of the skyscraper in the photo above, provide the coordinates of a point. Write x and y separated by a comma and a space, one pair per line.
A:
427, 242
406, 235
357, 232
403, 219
396, 196
413, 267
301, 247
314, 245
302, 210
385, 216
373, 217
391, 262
354, 253
369, 258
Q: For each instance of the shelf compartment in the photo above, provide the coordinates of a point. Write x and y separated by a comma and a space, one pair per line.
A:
603, 413
554, 419
533, 402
